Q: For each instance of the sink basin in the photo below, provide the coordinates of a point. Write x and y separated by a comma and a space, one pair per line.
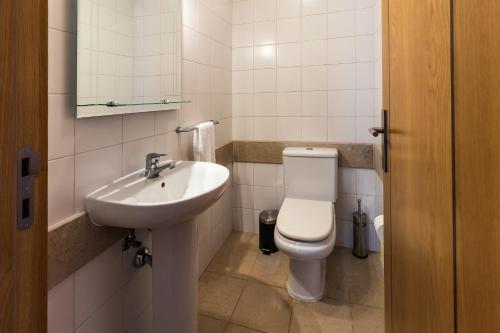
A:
175, 196
168, 205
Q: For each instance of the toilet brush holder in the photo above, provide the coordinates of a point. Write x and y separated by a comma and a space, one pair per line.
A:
360, 237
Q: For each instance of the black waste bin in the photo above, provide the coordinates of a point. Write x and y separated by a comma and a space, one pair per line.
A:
267, 222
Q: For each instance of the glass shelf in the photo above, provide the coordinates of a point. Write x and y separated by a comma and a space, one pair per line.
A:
114, 104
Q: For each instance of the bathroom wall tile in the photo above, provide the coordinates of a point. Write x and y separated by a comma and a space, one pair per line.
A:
243, 196
314, 52
341, 24
264, 197
311, 7
288, 128
243, 81
288, 8
314, 78
242, 105
342, 103
364, 48
107, 319
243, 129
94, 169
289, 30
60, 188
60, 310
243, 58
289, 55
289, 104
314, 27
342, 129
314, 104
368, 206
289, 79
242, 35
134, 154
264, 33
264, 80
364, 21
264, 105
61, 125
95, 283
347, 180
341, 77
243, 219
365, 103
138, 126
367, 182
204, 254
264, 57
243, 173
314, 129
99, 132
165, 121
264, 174
364, 75
62, 62
243, 12
340, 5
341, 50
264, 10
344, 233
279, 175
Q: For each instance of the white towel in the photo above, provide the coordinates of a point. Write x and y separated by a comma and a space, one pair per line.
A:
204, 142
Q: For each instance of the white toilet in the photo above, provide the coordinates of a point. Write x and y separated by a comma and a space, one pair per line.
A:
305, 229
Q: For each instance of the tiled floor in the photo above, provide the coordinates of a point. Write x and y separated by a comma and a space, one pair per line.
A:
244, 291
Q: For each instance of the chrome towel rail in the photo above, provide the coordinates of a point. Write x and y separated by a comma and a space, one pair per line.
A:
190, 129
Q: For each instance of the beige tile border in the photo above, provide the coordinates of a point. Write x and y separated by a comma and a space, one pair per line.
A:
351, 155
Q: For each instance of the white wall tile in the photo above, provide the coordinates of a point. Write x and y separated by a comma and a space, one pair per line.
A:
264, 104
264, 80
315, 104
342, 103
289, 128
61, 176
94, 169
243, 196
341, 50
289, 30
243, 173
243, 58
364, 21
311, 7
242, 35
61, 125
265, 56
314, 78
264, 174
264, 198
265, 128
289, 79
134, 154
264, 10
264, 33
314, 27
138, 125
289, 55
95, 133
107, 319
314, 52
341, 24
289, 104
314, 129
341, 77
342, 129
288, 8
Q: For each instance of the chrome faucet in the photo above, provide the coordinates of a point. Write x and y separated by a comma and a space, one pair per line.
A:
153, 167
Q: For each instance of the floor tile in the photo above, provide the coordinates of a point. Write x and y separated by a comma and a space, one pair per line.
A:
321, 317
218, 295
263, 308
271, 269
367, 319
237, 261
366, 281
233, 328
210, 325
337, 274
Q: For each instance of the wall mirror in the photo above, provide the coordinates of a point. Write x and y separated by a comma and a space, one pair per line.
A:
128, 56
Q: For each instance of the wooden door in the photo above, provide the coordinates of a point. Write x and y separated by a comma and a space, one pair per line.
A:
23, 123
420, 208
477, 164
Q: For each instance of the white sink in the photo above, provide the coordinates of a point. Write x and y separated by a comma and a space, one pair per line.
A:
175, 196
168, 206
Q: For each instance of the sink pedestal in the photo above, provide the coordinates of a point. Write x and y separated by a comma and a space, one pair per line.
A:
175, 278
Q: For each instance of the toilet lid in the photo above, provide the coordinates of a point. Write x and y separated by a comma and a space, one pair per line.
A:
305, 220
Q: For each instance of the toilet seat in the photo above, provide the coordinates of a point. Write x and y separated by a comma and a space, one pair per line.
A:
305, 220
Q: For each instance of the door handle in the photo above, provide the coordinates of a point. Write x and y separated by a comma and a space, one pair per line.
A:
375, 131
